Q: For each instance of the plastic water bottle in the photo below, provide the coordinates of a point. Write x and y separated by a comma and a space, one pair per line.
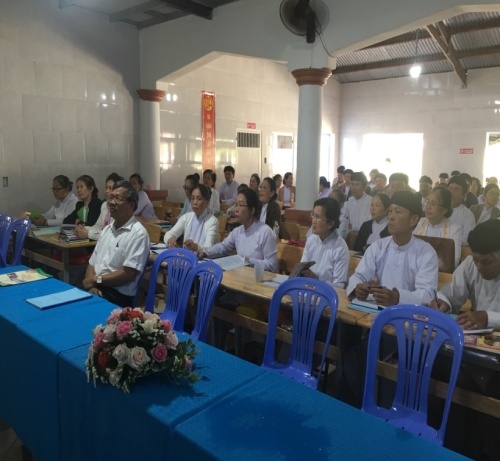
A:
276, 229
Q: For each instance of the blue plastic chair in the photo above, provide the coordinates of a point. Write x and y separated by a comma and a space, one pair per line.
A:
416, 355
179, 263
18, 230
5, 221
206, 277
309, 297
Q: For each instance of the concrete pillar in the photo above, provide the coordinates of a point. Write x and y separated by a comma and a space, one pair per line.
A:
150, 136
311, 82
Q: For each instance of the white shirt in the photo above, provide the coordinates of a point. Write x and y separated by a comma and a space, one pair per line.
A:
412, 269
263, 213
102, 221
203, 230
467, 283
144, 206
228, 192
325, 193
214, 204
258, 242
443, 230
61, 209
485, 214
332, 259
464, 218
377, 228
357, 211
127, 246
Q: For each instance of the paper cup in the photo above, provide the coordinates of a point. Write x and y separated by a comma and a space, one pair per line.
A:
259, 272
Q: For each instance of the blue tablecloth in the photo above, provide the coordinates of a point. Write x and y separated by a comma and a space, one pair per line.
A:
104, 423
30, 341
273, 418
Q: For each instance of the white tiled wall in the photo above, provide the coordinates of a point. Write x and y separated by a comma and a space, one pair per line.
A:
449, 116
67, 99
247, 90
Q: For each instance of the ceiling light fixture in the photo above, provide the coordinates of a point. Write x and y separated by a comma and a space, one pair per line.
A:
416, 68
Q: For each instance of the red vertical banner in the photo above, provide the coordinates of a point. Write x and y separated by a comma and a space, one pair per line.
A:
208, 130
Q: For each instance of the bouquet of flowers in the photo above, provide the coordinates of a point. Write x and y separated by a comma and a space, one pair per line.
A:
134, 343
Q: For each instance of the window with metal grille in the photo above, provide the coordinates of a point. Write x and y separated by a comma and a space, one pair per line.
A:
246, 139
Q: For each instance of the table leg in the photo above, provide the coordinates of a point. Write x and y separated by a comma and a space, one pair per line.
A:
65, 258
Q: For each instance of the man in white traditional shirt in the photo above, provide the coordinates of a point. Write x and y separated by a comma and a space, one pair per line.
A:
229, 190
121, 252
405, 268
461, 215
357, 208
477, 279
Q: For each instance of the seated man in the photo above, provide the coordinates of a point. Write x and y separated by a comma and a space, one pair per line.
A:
477, 279
228, 190
461, 215
406, 268
121, 252
357, 207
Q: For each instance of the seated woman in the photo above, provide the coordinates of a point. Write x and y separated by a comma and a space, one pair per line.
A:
253, 240
488, 209
278, 180
375, 228
437, 209
199, 226
324, 187
254, 183
88, 209
209, 180
325, 247
270, 211
93, 232
287, 193
65, 203
144, 207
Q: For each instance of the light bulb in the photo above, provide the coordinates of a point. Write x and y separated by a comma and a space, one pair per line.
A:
415, 70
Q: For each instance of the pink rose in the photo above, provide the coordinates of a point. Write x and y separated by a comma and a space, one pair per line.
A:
98, 342
171, 340
114, 317
166, 326
159, 353
138, 357
123, 329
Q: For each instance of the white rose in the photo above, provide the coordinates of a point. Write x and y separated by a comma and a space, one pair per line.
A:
171, 340
149, 315
97, 329
149, 326
138, 357
114, 377
121, 354
109, 332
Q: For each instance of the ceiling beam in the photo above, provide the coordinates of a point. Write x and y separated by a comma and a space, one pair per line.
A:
121, 15
160, 19
191, 7
493, 23
442, 38
478, 52
387, 64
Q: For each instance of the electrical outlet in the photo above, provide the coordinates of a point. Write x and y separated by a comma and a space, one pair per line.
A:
5, 181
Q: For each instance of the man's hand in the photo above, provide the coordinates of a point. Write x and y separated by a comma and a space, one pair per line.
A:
89, 282
362, 291
440, 305
96, 291
172, 243
385, 296
473, 320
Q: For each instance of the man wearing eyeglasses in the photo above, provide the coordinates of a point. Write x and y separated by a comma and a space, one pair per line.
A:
121, 252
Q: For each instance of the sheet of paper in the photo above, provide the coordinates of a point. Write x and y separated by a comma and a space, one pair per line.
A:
26, 276
276, 281
230, 262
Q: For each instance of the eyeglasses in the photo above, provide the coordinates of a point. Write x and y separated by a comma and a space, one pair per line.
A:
433, 204
241, 205
317, 217
56, 189
116, 198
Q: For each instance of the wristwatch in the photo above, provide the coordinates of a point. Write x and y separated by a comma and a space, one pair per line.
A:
98, 279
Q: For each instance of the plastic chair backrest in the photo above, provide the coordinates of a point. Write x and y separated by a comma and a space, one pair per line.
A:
309, 297
206, 277
5, 221
416, 355
18, 230
138, 289
179, 262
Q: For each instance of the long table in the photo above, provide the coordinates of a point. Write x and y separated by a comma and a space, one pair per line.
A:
237, 411
35, 245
